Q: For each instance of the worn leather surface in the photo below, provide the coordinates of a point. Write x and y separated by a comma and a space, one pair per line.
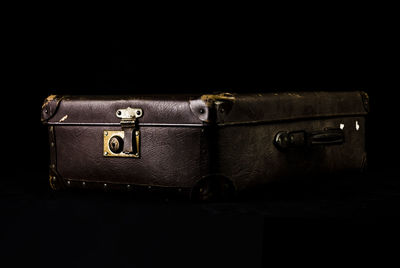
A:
168, 157
186, 137
50, 107
271, 107
101, 109
193, 109
249, 157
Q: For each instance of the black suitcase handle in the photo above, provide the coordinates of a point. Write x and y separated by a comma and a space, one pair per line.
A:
302, 138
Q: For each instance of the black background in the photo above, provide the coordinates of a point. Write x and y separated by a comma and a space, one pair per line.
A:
336, 220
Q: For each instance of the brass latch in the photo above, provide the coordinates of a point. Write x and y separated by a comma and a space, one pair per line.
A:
124, 143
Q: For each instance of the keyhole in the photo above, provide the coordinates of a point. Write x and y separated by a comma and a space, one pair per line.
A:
116, 144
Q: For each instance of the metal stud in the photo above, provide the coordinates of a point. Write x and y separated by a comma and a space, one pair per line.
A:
83, 184
105, 133
68, 182
105, 153
105, 185
149, 187
52, 144
201, 111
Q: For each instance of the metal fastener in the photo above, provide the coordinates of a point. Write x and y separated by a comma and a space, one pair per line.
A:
128, 186
68, 182
52, 144
105, 133
149, 187
83, 184
105, 153
105, 185
201, 111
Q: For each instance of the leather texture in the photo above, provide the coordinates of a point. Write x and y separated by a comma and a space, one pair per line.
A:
185, 138
192, 109
168, 157
249, 158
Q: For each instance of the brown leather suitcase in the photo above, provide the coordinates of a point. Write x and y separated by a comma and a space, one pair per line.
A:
208, 146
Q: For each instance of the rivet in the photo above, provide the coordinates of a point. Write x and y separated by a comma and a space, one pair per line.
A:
68, 182
128, 186
149, 187
201, 111
52, 144
105, 185
54, 178
105, 133
53, 166
83, 184
105, 153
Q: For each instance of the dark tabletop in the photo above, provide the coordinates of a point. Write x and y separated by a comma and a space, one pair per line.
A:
333, 218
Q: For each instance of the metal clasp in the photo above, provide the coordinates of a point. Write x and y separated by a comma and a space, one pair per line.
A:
124, 143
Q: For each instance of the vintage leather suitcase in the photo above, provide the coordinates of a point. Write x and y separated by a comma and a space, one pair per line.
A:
207, 146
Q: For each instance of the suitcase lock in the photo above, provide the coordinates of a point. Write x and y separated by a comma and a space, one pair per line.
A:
124, 143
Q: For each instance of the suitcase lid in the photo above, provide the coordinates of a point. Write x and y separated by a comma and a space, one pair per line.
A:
222, 109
